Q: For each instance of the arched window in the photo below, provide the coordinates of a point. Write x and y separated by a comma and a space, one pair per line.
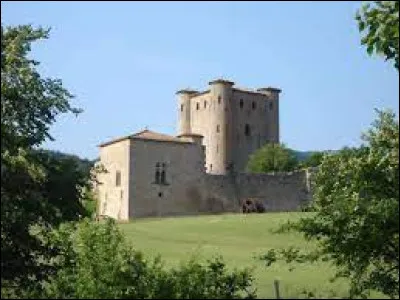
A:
247, 131
197, 106
205, 104
217, 128
181, 107
219, 99
241, 103
253, 105
270, 106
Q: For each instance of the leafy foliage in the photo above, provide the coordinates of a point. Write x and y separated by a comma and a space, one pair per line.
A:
272, 157
97, 262
380, 22
35, 187
29, 103
314, 160
356, 198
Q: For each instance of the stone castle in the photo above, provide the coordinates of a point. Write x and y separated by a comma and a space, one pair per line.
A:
202, 169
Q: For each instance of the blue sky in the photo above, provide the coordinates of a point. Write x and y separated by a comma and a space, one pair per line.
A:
124, 61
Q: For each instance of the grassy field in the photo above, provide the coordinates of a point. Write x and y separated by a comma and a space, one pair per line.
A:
238, 238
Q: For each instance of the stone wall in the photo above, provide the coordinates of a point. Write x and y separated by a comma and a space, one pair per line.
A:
256, 113
277, 191
180, 194
221, 114
188, 188
219, 194
113, 198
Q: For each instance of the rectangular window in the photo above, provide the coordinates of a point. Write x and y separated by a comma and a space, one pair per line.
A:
118, 178
163, 174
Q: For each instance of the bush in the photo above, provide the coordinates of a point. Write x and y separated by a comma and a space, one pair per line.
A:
253, 206
97, 262
272, 158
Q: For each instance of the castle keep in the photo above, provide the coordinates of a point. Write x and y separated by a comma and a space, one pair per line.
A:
202, 169
233, 122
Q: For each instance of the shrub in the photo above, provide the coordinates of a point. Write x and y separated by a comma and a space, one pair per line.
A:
97, 262
253, 206
272, 158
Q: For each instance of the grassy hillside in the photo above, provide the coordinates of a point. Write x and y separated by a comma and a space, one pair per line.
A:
238, 238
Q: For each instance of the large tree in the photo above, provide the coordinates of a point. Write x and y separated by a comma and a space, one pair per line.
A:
272, 158
34, 186
356, 200
356, 191
379, 21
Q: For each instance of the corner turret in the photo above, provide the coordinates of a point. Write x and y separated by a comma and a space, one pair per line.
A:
184, 96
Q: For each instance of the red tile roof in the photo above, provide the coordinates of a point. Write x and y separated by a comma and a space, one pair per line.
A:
147, 135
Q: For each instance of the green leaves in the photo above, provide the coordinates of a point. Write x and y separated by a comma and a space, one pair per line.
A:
356, 220
380, 25
97, 262
314, 160
271, 158
35, 189
29, 103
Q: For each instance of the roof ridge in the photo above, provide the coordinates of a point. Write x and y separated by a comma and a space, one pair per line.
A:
147, 134
140, 132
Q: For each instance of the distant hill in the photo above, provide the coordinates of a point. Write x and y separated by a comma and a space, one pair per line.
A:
303, 155
87, 164
83, 163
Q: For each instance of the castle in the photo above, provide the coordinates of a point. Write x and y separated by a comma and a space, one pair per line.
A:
202, 169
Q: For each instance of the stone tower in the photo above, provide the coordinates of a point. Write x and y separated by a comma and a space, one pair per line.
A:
233, 121
184, 105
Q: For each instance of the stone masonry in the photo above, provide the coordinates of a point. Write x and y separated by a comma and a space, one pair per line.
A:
202, 169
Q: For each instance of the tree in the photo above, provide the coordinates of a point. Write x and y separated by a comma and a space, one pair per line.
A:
32, 183
271, 158
313, 160
380, 22
98, 262
356, 224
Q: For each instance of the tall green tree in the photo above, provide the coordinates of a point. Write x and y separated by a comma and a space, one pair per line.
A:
356, 224
32, 183
379, 22
356, 191
272, 158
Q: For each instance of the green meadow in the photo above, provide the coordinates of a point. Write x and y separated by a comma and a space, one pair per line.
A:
238, 238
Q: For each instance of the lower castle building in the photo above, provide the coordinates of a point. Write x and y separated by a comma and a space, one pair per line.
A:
202, 169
